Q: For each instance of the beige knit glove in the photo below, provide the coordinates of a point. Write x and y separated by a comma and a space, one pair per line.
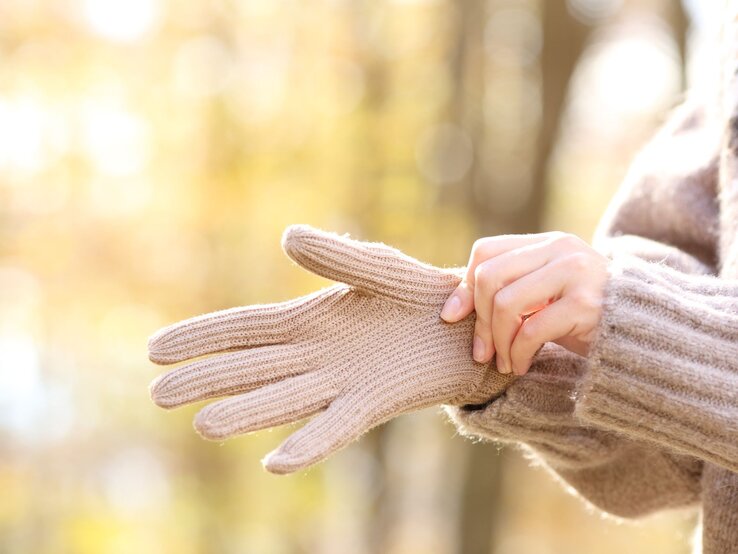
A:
361, 352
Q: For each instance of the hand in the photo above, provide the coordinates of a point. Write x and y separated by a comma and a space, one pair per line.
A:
357, 354
528, 290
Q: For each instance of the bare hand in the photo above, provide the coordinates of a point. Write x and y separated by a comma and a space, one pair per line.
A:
528, 290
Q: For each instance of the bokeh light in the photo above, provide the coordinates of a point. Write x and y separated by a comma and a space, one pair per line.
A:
115, 139
628, 75
121, 21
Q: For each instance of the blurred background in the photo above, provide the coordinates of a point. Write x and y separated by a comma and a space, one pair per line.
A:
151, 153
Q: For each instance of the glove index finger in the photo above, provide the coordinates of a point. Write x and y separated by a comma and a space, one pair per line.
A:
238, 328
372, 267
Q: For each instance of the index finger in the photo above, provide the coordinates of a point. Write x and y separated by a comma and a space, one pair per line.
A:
491, 247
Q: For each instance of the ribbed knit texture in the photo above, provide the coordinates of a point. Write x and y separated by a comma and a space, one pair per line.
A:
663, 367
362, 352
719, 500
720, 486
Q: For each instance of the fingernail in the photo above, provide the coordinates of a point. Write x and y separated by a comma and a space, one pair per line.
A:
451, 307
478, 349
501, 367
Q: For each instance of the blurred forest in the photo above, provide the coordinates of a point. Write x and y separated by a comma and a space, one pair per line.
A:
151, 153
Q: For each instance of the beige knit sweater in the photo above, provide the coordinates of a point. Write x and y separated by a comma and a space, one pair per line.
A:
649, 420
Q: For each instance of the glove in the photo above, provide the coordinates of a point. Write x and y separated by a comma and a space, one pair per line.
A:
358, 353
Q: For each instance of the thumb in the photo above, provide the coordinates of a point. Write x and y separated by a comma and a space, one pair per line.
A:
372, 267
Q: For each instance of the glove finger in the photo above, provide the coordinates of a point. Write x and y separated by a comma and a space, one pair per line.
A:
372, 267
342, 423
232, 373
283, 402
236, 328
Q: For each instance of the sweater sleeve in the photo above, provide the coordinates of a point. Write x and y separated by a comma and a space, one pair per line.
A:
664, 365
615, 474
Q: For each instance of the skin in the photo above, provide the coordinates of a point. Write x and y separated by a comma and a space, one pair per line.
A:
528, 290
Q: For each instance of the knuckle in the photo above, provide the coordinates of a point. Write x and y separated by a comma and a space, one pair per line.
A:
481, 247
482, 325
504, 301
479, 274
478, 248
483, 314
483, 319
483, 330
485, 280
567, 241
583, 299
578, 261
486, 273
555, 235
528, 332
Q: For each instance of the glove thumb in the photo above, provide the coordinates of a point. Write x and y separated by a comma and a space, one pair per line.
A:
371, 267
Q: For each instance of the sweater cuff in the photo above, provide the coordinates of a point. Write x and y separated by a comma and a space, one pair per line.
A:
537, 409
664, 365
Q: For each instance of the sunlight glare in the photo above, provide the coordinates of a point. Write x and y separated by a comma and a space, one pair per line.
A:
121, 21
627, 66
21, 135
632, 74
21, 389
116, 140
